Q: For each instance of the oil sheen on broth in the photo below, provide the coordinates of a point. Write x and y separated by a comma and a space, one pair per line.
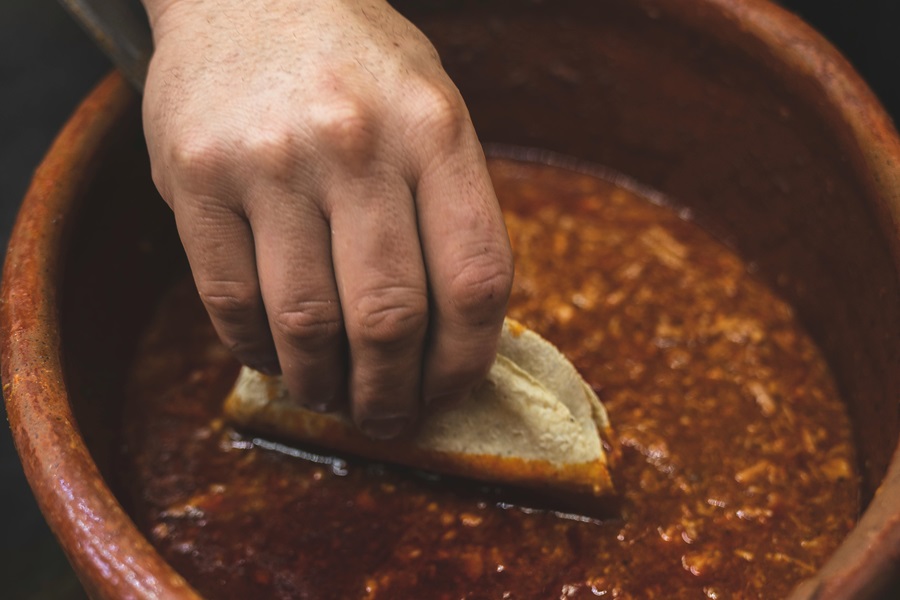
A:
736, 470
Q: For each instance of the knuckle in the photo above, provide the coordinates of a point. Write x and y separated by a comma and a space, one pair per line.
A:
391, 317
440, 112
346, 127
200, 158
480, 289
232, 303
276, 152
312, 324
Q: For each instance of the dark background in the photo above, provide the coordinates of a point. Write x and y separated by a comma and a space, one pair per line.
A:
47, 64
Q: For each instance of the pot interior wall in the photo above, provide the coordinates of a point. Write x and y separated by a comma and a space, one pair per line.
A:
124, 255
754, 158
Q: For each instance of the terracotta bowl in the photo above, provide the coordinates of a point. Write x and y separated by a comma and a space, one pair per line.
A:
733, 107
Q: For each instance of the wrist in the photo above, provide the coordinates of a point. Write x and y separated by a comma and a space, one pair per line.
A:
164, 15
155, 9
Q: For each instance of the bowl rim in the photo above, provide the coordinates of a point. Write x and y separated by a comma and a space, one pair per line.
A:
109, 555
113, 559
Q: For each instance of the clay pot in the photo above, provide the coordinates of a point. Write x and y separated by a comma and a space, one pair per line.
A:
733, 107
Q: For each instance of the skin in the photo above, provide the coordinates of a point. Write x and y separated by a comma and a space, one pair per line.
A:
332, 198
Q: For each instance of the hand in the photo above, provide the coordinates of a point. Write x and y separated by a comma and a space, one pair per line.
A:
332, 198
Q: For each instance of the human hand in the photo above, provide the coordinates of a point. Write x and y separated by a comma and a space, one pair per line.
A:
332, 198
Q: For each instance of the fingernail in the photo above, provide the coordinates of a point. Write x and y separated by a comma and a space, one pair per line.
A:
447, 399
266, 368
384, 428
319, 407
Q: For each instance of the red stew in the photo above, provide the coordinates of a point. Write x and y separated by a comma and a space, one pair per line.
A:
737, 472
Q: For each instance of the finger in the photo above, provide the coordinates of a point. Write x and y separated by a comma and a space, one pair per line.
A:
470, 269
219, 247
381, 278
293, 248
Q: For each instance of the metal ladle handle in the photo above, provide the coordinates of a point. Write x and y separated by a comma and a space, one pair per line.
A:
121, 34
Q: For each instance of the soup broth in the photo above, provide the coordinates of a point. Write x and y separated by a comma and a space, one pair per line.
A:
736, 471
